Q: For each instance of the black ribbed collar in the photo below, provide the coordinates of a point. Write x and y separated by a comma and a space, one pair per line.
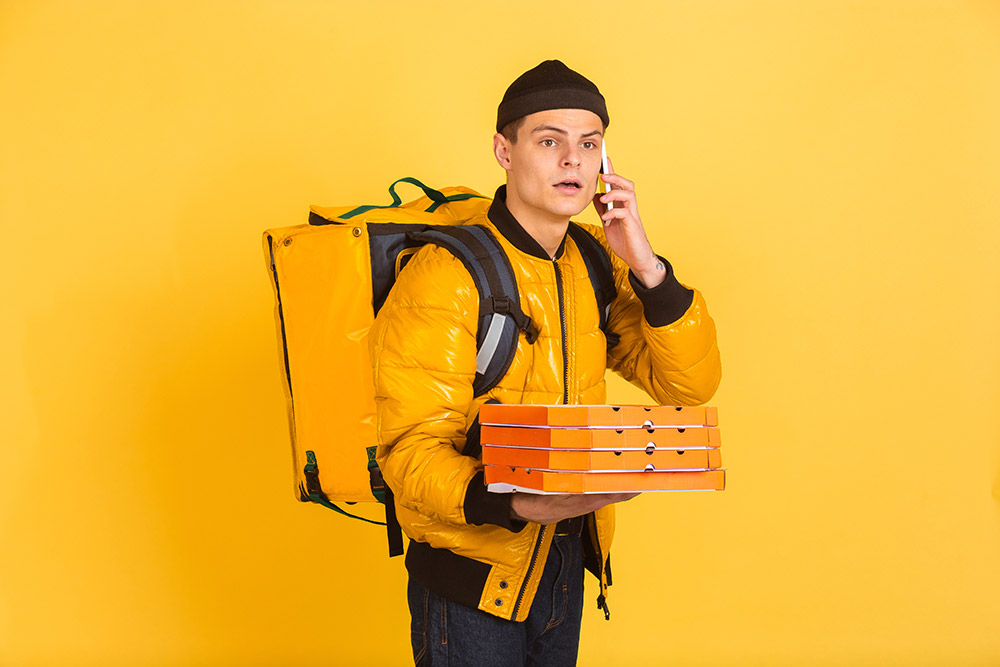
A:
512, 230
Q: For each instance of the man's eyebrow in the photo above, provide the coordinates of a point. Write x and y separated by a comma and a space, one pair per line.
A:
559, 130
550, 128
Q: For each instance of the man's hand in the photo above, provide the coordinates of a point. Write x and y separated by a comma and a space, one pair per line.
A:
553, 509
624, 231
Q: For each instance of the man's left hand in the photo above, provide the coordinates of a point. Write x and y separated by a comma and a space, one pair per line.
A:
624, 231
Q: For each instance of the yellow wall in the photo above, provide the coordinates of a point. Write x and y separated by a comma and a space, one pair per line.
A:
826, 172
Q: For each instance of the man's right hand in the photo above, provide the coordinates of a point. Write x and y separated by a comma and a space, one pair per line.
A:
549, 509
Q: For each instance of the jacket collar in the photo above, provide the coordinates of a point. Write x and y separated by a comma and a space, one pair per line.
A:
512, 230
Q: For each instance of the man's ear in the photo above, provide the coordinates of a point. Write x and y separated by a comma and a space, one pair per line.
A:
501, 150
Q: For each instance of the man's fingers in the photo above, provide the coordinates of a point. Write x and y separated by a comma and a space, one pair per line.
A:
549, 509
618, 497
626, 196
618, 182
602, 499
619, 212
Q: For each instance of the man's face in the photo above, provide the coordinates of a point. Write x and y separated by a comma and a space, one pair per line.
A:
553, 167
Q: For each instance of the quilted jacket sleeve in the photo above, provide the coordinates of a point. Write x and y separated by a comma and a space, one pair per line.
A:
423, 350
667, 343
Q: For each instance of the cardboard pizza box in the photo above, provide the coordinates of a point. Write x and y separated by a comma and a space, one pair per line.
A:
601, 438
588, 459
509, 479
597, 416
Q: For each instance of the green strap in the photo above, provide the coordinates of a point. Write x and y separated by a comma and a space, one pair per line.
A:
436, 196
326, 503
375, 480
314, 491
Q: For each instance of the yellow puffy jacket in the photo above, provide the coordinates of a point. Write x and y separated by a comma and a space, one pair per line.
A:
464, 545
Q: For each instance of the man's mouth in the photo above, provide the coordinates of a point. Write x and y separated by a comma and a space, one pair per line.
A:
569, 184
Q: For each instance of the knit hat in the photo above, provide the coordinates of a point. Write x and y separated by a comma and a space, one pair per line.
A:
550, 85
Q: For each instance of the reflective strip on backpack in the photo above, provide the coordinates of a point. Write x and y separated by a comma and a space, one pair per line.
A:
500, 316
498, 331
489, 348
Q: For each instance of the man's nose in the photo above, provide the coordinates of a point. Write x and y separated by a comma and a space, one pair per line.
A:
571, 158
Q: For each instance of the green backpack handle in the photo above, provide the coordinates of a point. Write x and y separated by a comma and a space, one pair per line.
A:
436, 196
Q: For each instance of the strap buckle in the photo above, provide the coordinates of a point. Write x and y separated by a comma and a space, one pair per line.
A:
504, 305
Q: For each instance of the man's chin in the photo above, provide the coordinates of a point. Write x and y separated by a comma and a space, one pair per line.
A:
571, 206
564, 206
576, 206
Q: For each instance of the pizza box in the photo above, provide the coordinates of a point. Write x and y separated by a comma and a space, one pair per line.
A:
590, 459
507, 479
601, 438
597, 416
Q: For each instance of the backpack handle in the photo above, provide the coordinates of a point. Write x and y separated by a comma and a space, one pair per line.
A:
436, 196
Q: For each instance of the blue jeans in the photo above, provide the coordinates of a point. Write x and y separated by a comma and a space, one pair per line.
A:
448, 633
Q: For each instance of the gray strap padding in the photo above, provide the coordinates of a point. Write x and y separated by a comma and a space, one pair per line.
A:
500, 315
490, 343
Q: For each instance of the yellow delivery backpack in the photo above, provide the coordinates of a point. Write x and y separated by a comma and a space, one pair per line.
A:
330, 278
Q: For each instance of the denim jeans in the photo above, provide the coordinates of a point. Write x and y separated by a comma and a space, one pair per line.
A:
448, 633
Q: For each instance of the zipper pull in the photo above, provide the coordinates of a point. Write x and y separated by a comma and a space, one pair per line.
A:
602, 603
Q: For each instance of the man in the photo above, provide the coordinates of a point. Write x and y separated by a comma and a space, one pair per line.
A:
497, 579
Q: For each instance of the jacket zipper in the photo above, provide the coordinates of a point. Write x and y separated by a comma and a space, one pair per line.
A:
565, 357
602, 602
562, 324
527, 577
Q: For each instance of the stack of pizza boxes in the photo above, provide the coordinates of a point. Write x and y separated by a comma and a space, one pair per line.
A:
601, 448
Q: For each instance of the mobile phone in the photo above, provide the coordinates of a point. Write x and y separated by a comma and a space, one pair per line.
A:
605, 169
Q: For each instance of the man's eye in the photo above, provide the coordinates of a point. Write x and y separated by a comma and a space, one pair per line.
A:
548, 142
589, 144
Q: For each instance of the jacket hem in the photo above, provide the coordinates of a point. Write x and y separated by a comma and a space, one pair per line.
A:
447, 574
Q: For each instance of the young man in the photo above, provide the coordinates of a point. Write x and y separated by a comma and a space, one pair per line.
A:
497, 579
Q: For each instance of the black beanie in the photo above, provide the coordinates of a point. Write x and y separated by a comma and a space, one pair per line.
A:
550, 85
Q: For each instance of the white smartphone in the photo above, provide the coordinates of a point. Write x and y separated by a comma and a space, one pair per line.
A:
605, 169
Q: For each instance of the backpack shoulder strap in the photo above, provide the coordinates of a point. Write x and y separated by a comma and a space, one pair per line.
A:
601, 276
500, 316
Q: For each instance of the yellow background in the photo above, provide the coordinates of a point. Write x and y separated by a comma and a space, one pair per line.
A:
825, 172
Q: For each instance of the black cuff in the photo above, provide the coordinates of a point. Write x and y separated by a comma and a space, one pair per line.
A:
482, 507
665, 303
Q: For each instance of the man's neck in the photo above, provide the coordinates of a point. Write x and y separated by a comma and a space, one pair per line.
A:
548, 231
